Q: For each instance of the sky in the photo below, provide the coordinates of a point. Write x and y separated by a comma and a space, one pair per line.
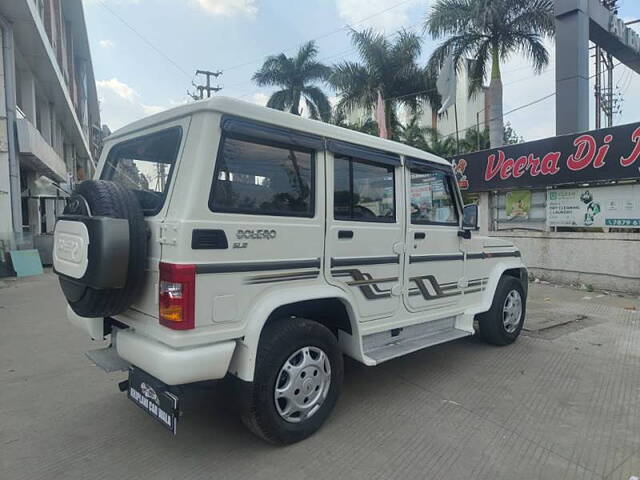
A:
145, 52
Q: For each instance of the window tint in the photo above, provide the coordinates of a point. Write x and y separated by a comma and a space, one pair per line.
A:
432, 199
262, 179
363, 191
144, 165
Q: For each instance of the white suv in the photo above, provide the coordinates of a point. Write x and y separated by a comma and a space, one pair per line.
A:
222, 239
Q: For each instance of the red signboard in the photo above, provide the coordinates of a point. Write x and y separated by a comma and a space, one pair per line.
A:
599, 155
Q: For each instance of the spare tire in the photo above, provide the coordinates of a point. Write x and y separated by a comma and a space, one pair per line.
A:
100, 249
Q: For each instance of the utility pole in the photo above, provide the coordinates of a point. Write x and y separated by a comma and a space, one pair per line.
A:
606, 101
207, 86
598, 88
161, 177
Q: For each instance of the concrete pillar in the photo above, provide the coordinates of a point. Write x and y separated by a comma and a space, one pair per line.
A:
35, 217
44, 112
60, 204
54, 127
572, 66
33, 205
6, 219
9, 165
69, 161
484, 213
28, 95
50, 214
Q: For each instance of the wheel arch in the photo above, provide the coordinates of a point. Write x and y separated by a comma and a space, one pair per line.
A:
305, 302
522, 274
511, 268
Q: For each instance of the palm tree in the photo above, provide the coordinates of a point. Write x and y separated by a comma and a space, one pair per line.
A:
490, 31
442, 146
413, 134
296, 76
388, 76
475, 140
368, 126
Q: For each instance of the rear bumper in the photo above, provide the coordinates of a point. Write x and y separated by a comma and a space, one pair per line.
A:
175, 366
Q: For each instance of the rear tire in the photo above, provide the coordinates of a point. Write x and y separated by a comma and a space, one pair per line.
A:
299, 367
502, 323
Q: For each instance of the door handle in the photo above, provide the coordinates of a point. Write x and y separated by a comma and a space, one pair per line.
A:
345, 233
419, 235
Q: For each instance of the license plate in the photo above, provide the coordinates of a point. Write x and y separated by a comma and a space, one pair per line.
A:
152, 396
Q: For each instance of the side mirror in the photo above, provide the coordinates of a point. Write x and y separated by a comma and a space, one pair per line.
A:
470, 218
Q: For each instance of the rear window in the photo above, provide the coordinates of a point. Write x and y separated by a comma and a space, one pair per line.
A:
145, 165
263, 179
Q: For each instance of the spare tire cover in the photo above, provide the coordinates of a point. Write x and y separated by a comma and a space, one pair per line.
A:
102, 198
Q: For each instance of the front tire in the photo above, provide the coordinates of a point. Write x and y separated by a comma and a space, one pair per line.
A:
297, 381
502, 323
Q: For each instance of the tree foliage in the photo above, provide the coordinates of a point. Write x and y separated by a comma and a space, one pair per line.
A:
296, 77
430, 140
490, 31
386, 68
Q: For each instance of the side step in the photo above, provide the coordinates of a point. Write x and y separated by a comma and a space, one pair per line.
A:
384, 346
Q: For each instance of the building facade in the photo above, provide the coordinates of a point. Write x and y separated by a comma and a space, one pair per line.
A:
472, 111
49, 117
571, 203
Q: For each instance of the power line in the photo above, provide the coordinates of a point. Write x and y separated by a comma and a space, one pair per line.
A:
324, 35
345, 52
145, 40
323, 58
338, 55
186, 74
521, 107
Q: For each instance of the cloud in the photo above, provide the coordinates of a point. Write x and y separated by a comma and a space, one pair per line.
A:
397, 15
259, 98
119, 88
120, 104
107, 43
151, 109
228, 8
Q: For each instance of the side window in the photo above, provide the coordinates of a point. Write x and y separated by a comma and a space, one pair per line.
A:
432, 198
363, 191
261, 179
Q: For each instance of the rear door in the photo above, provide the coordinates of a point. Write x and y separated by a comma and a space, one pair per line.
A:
434, 263
365, 227
146, 163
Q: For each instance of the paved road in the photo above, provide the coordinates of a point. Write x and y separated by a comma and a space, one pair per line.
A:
563, 402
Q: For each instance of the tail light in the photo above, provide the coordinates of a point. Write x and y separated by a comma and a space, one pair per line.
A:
177, 296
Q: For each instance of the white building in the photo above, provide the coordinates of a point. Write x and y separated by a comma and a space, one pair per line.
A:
49, 118
471, 111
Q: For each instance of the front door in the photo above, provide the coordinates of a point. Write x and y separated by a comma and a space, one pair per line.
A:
365, 231
434, 261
